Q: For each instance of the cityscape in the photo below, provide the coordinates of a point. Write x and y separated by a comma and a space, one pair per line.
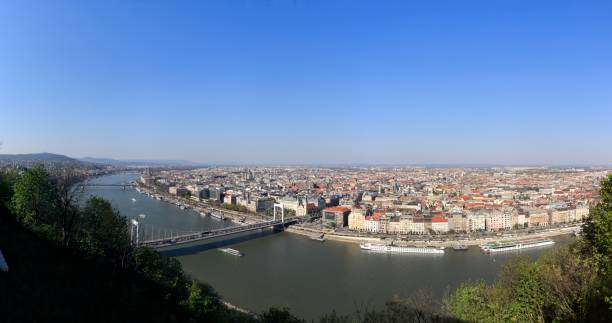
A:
387, 202
305, 161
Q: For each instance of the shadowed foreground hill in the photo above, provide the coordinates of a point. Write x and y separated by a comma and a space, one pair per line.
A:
46, 283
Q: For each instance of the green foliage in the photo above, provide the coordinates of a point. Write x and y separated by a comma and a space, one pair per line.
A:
598, 227
105, 231
598, 246
7, 180
198, 302
471, 302
32, 200
165, 271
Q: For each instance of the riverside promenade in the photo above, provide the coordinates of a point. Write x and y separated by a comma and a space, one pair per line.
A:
356, 238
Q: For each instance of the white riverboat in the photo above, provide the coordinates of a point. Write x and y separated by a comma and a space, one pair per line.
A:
232, 252
514, 245
397, 249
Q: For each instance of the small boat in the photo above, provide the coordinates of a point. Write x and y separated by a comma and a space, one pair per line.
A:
182, 207
217, 216
133, 199
142, 216
232, 252
320, 238
460, 247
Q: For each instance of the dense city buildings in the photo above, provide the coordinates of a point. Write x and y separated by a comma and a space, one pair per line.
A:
397, 200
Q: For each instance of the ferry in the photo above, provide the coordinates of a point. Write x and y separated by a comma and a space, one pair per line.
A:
232, 252
320, 238
217, 216
396, 249
514, 245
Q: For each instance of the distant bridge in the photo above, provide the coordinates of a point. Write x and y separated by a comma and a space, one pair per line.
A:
123, 186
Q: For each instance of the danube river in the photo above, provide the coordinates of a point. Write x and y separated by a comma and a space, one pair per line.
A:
310, 278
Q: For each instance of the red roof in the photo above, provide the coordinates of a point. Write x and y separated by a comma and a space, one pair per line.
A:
438, 219
376, 215
341, 209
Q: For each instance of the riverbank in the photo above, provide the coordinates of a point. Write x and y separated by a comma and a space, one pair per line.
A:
235, 217
311, 232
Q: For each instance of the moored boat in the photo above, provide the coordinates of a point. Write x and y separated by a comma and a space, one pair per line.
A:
460, 248
397, 249
514, 245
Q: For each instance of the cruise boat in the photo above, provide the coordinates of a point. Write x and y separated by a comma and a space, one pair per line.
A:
232, 252
514, 245
396, 249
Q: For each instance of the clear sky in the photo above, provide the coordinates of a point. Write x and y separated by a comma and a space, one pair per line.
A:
305, 81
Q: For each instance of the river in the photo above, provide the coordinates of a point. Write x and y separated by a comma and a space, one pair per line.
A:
310, 278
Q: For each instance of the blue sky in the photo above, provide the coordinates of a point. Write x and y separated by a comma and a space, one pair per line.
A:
296, 81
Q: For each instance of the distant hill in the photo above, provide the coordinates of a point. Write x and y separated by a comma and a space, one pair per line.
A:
48, 157
139, 162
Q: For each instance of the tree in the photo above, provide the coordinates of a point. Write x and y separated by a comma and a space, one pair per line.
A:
68, 212
598, 227
165, 271
105, 230
33, 201
598, 245
7, 181
198, 302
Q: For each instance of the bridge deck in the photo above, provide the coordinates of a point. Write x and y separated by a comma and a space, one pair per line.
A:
205, 235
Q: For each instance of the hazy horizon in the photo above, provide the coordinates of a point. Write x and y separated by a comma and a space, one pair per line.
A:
309, 82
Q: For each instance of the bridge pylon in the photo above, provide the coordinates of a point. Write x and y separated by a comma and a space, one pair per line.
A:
282, 211
134, 232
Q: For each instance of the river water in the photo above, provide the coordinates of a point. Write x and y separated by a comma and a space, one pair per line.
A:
287, 270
